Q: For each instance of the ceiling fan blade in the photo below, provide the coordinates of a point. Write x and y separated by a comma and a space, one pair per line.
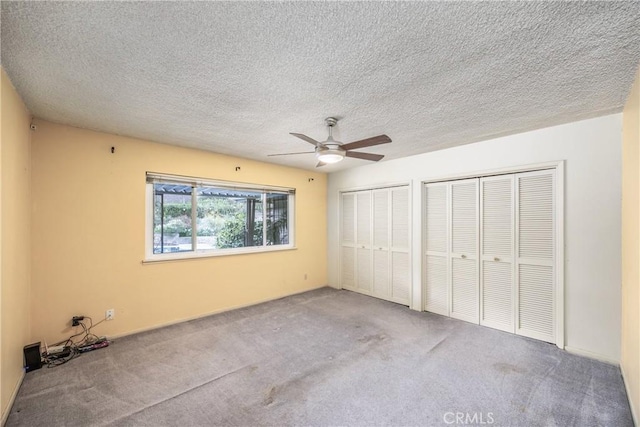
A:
320, 164
305, 138
376, 140
365, 156
289, 154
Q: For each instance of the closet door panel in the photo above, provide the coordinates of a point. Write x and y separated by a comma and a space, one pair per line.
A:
464, 250
436, 289
381, 219
363, 218
348, 231
347, 267
375, 243
535, 237
536, 214
497, 216
381, 236
347, 241
436, 218
464, 217
400, 218
400, 242
436, 244
363, 263
464, 289
381, 285
363, 241
536, 302
497, 287
497, 296
401, 277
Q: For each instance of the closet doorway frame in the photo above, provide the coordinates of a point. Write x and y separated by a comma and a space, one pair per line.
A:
559, 167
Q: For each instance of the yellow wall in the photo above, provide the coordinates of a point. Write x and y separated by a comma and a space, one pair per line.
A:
630, 362
89, 236
15, 215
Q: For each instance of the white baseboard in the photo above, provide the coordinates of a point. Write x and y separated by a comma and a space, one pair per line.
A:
5, 414
626, 387
592, 355
211, 313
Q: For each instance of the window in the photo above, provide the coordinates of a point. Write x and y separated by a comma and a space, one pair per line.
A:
189, 217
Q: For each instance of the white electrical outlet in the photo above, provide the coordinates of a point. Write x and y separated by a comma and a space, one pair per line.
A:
110, 314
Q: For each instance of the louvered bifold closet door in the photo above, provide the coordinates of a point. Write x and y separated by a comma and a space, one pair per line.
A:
497, 289
381, 240
363, 241
400, 243
465, 304
436, 244
535, 254
348, 241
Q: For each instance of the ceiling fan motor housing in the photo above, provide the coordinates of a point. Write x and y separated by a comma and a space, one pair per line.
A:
330, 151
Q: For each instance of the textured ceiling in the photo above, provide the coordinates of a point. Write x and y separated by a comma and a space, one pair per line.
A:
236, 78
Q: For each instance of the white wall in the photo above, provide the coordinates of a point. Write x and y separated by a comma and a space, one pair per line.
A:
592, 154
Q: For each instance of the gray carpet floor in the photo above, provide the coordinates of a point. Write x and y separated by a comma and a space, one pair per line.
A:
322, 358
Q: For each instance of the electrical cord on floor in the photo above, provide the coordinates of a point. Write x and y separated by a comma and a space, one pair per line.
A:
52, 360
72, 347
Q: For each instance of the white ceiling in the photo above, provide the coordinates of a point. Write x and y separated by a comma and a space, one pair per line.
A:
236, 78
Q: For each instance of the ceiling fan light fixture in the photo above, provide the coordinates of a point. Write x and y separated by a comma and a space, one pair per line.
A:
330, 156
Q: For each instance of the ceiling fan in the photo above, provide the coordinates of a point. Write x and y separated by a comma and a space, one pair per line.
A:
332, 151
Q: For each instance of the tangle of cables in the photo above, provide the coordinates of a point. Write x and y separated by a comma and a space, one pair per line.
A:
75, 345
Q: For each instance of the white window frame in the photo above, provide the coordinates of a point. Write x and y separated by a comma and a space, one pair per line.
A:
151, 257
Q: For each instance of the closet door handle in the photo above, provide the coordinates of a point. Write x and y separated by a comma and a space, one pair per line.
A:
463, 256
496, 259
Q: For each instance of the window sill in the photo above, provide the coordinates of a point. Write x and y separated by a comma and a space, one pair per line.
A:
185, 256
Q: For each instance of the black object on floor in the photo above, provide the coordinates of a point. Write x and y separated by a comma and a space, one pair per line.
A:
32, 359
